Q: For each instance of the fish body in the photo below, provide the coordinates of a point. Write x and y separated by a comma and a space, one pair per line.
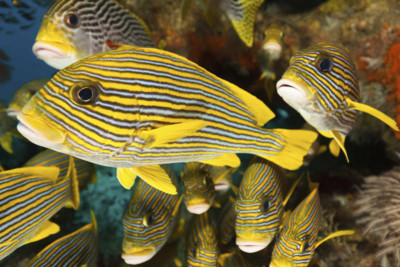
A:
201, 245
296, 242
148, 221
84, 170
75, 29
198, 187
226, 226
23, 94
79, 248
29, 197
321, 84
136, 106
259, 205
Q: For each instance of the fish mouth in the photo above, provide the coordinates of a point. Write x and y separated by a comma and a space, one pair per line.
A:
48, 50
139, 256
252, 246
12, 112
198, 208
295, 93
39, 132
221, 186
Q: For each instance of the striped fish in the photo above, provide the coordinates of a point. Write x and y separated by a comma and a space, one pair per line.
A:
84, 170
29, 197
201, 244
226, 225
198, 187
75, 29
222, 177
79, 248
148, 221
23, 94
297, 239
259, 205
321, 84
134, 108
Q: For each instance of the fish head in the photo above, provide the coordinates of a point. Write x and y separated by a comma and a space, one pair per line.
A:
69, 32
22, 96
74, 113
259, 206
317, 83
273, 42
198, 187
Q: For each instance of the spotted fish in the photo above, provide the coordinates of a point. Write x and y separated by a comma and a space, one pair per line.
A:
198, 187
297, 239
75, 29
201, 245
23, 94
79, 248
148, 221
29, 197
259, 205
321, 84
134, 108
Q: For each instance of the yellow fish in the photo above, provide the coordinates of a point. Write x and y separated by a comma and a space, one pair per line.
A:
135, 108
75, 29
321, 84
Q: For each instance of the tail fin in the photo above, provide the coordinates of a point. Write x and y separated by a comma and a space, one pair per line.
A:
242, 16
297, 145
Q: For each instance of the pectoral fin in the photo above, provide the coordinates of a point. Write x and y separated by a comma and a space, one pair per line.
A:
335, 234
154, 175
340, 141
46, 229
228, 159
171, 133
6, 143
373, 112
334, 148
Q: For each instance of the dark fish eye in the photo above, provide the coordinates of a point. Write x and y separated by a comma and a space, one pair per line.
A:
305, 247
324, 64
264, 206
193, 251
71, 20
148, 220
85, 94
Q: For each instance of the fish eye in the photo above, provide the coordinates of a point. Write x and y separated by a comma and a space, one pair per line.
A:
71, 20
304, 246
264, 206
148, 219
324, 64
85, 94
193, 251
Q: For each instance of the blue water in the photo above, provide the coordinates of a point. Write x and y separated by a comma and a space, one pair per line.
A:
18, 28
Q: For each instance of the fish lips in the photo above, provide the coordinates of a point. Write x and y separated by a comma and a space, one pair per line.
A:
54, 54
252, 246
295, 93
138, 257
198, 208
41, 134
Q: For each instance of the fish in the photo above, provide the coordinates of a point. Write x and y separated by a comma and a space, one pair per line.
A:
259, 205
270, 53
7, 126
29, 197
135, 108
198, 187
222, 177
80, 248
226, 224
72, 30
241, 13
23, 94
201, 246
296, 241
234, 259
84, 170
321, 84
149, 220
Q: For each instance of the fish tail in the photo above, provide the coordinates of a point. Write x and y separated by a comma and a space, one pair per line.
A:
242, 14
296, 145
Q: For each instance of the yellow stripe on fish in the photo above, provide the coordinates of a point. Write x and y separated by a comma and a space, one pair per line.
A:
201, 244
259, 205
23, 94
29, 196
79, 248
297, 240
198, 187
75, 29
142, 106
321, 84
148, 221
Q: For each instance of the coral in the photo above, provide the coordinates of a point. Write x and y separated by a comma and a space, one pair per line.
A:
378, 209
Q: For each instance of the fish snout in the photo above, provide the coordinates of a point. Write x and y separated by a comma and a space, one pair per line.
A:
138, 256
198, 208
56, 55
252, 246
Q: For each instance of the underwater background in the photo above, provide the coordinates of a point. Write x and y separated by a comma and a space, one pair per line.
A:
369, 29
